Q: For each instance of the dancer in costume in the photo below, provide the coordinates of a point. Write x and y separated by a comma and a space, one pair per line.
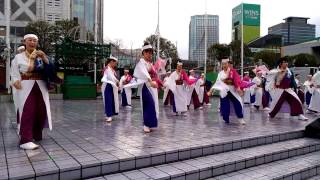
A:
125, 92
229, 85
148, 88
308, 89
109, 89
315, 99
31, 73
283, 86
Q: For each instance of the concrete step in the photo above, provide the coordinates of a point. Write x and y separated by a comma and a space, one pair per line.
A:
317, 177
224, 163
79, 164
296, 168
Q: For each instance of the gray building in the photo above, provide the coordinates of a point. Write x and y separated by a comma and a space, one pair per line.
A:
84, 11
294, 30
197, 36
53, 10
23, 12
310, 47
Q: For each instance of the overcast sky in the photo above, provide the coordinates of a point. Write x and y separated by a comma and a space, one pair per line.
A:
133, 20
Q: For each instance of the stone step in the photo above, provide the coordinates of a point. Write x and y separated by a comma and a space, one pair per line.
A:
223, 163
78, 163
317, 177
296, 168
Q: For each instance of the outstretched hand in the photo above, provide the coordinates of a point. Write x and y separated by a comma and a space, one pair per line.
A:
240, 92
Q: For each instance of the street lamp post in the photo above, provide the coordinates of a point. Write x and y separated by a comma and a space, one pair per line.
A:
205, 37
158, 32
242, 40
95, 40
8, 13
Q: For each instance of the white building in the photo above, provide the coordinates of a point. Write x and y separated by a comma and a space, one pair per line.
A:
53, 10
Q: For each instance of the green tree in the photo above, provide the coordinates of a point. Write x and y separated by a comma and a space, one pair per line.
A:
65, 27
268, 57
218, 51
44, 31
167, 48
50, 33
303, 59
235, 48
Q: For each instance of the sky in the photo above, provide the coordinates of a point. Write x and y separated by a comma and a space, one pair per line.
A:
131, 21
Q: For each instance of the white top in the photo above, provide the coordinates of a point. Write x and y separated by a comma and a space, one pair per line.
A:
141, 71
19, 65
257, 81
316, 79
109, 76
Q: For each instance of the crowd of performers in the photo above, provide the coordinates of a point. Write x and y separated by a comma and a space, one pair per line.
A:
277, 90
273, 91
180, 90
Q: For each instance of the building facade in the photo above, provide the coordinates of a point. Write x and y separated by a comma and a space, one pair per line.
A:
23, 12
197, 36
269, 42
294, 30
83, 11
26, 11
246, 17
53, 10
309, 47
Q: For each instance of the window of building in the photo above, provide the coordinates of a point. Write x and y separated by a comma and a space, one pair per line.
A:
49, 17
50, 3
57, 3
57, 17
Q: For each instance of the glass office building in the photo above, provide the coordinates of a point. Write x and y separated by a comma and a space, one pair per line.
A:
294, 30
197, 36
84, 12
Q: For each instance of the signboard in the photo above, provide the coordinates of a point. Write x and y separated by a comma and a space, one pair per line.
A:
236, 15
72, 68
255, 50
250, 13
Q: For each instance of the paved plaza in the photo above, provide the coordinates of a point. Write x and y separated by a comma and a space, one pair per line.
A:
83, 145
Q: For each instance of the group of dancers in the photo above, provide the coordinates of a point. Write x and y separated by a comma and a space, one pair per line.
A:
180, 90
277, 90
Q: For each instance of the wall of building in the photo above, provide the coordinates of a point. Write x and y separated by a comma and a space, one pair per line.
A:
53, 10
294, 31
197, 36
312, 47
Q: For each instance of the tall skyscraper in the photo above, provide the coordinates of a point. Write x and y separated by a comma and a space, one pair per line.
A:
294, 30
248, 17
84, 12
53, 10
197, 36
